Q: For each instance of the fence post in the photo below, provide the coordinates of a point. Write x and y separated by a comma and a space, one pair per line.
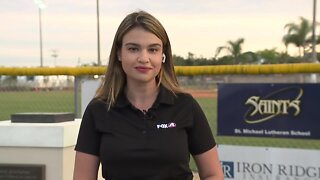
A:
77, 80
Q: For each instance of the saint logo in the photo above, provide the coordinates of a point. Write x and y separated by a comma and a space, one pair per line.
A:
166, 126
284, 102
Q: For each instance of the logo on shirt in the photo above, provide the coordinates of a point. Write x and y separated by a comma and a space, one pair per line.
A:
166, 126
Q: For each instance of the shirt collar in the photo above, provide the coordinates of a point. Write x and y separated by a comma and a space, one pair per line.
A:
164, 97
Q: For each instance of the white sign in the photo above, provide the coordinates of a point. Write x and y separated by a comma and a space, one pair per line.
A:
265, 163
88, 90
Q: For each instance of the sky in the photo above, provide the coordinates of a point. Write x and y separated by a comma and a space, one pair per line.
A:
69, 27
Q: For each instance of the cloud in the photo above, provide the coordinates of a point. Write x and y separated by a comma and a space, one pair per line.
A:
193, 26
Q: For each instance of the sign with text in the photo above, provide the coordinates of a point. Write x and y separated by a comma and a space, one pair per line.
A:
269, 110
22, 172
267, 163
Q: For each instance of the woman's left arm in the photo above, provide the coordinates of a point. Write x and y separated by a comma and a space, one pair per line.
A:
209, 166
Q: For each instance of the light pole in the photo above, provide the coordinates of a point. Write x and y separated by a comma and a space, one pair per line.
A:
41, 6
98, 33
314, 52
54, 55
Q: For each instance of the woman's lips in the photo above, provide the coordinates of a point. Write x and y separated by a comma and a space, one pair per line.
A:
143, 69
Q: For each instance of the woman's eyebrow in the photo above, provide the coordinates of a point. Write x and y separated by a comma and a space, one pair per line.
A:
155, 44
136, 44
131, 44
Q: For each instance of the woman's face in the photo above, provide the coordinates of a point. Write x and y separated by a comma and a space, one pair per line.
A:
141, 55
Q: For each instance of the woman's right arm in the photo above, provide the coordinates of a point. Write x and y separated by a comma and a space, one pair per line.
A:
86, 166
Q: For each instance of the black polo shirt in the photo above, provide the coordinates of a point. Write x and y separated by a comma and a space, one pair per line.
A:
156, 144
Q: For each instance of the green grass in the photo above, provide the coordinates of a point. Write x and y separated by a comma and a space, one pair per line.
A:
63, 101
33, 101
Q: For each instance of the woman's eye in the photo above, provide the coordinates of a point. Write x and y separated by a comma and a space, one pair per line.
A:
153, 50
133, 49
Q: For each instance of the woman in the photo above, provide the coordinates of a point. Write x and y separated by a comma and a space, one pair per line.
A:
141, 125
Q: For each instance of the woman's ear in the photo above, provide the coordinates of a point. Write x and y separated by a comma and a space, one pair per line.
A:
163, 58
118, 55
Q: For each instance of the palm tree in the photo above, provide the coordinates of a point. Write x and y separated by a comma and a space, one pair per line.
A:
298, 34
234, 48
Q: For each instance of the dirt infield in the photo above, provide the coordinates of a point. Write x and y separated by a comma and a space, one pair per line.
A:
202, 93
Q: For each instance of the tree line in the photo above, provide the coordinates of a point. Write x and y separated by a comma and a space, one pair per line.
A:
298, 34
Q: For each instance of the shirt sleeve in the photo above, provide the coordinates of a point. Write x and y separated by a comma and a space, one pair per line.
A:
89, 138
200, 136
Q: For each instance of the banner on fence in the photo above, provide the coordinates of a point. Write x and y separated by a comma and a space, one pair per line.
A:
88, 90
269, 163
269, 110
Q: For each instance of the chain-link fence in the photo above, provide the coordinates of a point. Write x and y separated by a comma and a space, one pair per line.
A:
57, 93
35, 94
61, 93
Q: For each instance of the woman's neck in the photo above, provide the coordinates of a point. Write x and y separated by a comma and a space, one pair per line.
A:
142, 96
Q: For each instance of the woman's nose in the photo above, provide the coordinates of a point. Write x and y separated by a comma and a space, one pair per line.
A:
143, 57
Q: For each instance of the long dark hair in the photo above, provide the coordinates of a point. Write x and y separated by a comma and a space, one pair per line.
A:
115, 78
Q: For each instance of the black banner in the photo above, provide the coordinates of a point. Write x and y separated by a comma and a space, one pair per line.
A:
269, 110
